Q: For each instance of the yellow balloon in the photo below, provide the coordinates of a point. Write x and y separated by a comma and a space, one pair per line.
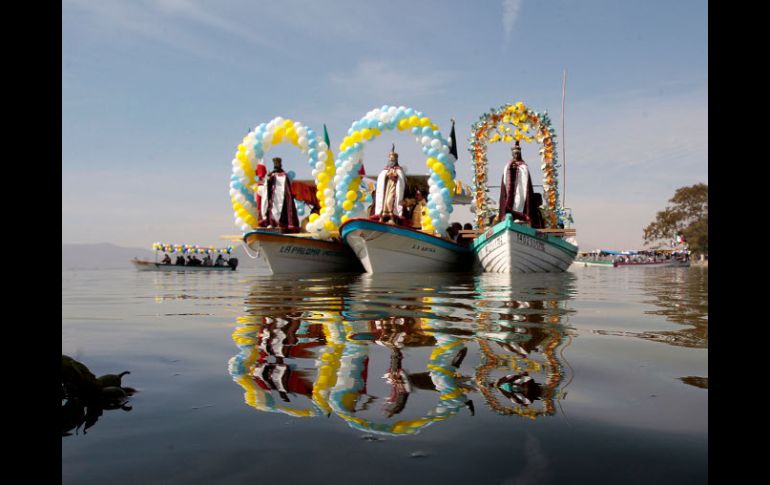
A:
329, 225
425, 121
414, 121
288, 123
366, 133
356, 136
323, 177
403, 124
347, 205
313, 217
351, 195
344, 218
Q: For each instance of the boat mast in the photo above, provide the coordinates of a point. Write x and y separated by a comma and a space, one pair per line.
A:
563, 143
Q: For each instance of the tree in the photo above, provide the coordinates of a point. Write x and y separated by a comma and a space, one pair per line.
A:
687, 216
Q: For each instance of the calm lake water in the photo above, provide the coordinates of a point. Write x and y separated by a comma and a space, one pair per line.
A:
596, 375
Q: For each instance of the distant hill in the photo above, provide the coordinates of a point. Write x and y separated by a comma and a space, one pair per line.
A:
100, 256
110, 256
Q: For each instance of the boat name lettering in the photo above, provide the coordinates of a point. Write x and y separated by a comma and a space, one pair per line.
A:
528, 241
300, 250
419, 247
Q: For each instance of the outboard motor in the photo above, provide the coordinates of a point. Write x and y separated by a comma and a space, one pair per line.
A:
233, 263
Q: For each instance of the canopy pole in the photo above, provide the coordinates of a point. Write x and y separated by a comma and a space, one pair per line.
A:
563, 143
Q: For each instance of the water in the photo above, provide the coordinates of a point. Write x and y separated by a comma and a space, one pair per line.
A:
244, 377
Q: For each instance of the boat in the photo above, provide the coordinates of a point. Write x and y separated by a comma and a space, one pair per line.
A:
601, 258
300, 253
228, 265
143, 265
512, 245
656, 263
387, 248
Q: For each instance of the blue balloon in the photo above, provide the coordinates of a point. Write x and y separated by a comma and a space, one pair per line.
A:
409, 112
426, 131
433, 152
416, 130
291, 175
443, 158
312, 153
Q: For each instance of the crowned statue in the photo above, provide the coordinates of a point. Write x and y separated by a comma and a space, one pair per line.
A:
391, 184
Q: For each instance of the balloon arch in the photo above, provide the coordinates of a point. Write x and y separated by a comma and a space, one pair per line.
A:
497, 125
439, 160
251, 152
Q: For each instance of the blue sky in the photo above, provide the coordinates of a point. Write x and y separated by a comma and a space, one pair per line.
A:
156, 95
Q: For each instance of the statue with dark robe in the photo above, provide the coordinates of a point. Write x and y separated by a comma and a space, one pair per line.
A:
516, 188
391, 184
278, 210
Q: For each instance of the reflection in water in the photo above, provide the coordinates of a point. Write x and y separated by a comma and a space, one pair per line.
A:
392, 361
85, 397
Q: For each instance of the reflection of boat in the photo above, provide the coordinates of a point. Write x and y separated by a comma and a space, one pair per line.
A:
386, 248
143, 265
292, 253
508, 247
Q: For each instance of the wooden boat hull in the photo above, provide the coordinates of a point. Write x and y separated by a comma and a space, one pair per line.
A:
287, 253
508, 247
142, 265
385, 248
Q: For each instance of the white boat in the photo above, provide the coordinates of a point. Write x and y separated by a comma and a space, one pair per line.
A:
143, 265
386, 248
509, 247
295, 253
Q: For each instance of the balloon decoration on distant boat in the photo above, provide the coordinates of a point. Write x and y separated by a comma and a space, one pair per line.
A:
188, 248
249, 157
515, 122
439, 160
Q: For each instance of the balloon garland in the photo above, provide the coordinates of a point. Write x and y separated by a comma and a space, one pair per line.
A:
188, 248
527, 125
251, 152
349, 202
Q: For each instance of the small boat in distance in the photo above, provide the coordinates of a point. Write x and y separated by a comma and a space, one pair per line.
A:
143, 265
192, 263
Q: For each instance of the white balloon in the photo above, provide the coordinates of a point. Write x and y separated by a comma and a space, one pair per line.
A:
320, 165
322, 147
435, 144
444, 149
302, 141
322, 156
278, 120
328, 193
236, 162
425, 140
314, 173
239, 172
329, 201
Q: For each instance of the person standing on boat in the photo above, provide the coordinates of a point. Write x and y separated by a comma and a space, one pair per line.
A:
166, 259
390, 191
516, 188
279, 211
419, 205
260, 191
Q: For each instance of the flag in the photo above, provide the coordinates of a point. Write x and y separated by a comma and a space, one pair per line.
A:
453, 141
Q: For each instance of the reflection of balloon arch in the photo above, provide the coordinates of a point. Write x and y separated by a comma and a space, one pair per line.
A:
491, 128
349, 385
490, 361
250, 154
440, 162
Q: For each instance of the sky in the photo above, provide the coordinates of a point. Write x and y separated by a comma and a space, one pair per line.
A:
157, 94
